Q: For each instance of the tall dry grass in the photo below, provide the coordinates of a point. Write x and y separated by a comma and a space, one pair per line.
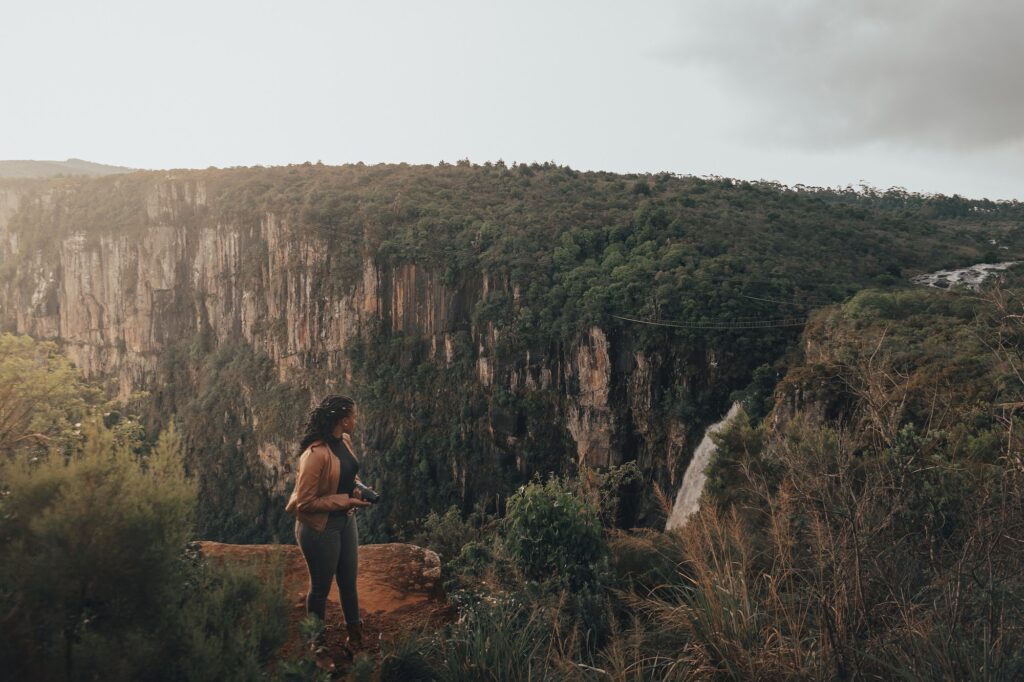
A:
832, 576
866, 550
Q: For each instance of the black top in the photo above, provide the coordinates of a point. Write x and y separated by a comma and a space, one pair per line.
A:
349, 468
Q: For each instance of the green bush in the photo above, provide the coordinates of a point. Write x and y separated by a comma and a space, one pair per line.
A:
553, 536
448, 533
497, 640
43, 398
305, 668
405, 661
612, 491
96, 580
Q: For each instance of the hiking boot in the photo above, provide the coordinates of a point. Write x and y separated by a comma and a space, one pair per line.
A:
355, 633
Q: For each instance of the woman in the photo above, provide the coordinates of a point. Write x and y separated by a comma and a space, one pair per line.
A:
324, 503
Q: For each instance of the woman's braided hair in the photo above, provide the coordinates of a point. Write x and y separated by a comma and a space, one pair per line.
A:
323, 417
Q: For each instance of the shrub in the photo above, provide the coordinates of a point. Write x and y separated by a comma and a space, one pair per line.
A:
404, 661
42, 400
553, 536
448, 533
96, 580
499, 639
305, 668
613, 491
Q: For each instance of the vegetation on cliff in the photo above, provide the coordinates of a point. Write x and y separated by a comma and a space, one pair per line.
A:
530, 257
870, 527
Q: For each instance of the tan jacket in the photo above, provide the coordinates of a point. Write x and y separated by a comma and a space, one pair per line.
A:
315, 494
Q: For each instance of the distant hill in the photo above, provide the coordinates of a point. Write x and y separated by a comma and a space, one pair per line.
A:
49, 169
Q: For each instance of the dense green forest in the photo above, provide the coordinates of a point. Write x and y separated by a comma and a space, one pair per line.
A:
530, 257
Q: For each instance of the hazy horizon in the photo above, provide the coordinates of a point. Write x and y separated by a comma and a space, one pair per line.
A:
925, 95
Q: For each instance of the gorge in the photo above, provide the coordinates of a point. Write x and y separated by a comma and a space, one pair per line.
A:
470, 310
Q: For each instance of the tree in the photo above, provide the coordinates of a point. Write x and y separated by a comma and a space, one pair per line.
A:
97, 580
43, 398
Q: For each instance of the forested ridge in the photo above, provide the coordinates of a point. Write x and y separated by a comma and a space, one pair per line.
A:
532, 256
642, 233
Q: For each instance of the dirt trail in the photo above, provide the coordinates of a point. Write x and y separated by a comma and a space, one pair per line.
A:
399, 591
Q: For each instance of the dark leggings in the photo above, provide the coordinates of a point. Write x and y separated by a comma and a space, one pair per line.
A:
331, 553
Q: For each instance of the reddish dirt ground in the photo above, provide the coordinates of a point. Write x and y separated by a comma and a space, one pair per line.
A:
399, 592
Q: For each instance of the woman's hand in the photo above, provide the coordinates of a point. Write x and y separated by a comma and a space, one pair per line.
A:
354, 502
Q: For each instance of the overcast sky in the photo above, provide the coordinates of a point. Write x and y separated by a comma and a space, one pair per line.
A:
923, 94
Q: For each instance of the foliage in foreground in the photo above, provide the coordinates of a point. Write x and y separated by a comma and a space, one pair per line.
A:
98, 578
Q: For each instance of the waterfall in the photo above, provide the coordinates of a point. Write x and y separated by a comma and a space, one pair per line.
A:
971, 277
688, 497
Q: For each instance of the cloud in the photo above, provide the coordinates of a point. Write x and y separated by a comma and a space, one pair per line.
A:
933, 73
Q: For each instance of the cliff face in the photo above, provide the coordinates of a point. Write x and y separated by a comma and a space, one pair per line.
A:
119, 299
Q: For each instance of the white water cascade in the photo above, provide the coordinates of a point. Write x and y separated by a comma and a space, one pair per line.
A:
688, 497
971, 277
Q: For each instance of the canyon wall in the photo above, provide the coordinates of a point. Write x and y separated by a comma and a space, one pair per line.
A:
118, 299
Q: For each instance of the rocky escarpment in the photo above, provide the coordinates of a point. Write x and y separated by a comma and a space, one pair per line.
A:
138, 275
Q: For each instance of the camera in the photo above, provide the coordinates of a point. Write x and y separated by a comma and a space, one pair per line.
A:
369, 494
